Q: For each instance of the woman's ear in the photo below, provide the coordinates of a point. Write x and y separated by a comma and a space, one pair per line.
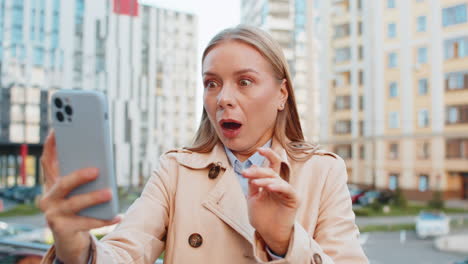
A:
283, 95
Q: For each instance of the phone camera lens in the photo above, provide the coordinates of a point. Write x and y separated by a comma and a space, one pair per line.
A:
58, 103
68, 110
60, 116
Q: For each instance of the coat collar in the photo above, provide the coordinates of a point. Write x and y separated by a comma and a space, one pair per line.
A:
217, 156
226, 199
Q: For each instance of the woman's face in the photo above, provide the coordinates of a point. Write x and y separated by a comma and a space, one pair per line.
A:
241, 96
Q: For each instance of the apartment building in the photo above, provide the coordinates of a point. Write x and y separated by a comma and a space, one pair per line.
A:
291, 24
118, 47
396, 93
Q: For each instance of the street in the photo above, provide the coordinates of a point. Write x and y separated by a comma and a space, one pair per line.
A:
380, 247
386, 247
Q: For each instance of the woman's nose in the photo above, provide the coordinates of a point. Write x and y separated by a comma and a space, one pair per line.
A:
226, 98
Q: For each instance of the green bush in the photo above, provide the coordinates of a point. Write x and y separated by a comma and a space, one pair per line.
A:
361, 212
376, 206
399, 199
436, 202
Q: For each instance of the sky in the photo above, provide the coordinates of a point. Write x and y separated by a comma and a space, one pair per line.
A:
213, 16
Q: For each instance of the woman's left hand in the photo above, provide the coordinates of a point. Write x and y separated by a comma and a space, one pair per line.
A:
272, 203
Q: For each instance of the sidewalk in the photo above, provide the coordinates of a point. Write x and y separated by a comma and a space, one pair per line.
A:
362, 221
453, 243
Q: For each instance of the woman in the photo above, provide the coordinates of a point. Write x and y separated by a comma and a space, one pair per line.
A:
249, 190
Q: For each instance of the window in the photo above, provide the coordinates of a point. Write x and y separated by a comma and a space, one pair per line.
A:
391, 4
424, 150
392, 60
361, 128
38, 56
457, 148
454, 15
393, 182
394, 121
393, 90
423, 183
393, 151
422, 87
342, 31
342, 79
422, 55
362, 152
343, 102
423, 118
391, 33
344, 151
456, 48
456, 81
343, 127
452, 115
457, 114
343, 54
421, 24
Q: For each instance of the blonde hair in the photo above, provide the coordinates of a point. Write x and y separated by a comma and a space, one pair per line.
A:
288, 130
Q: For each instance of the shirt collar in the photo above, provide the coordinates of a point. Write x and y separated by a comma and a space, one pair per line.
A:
255, 159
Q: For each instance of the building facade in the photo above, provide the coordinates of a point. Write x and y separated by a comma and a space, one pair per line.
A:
109, 46
397, 93
291, 24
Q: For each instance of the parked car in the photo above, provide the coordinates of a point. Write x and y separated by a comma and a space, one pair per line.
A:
8, 230
465, 261
385, 196
22, 194
12, 252
356, 194
432, 224
368, 197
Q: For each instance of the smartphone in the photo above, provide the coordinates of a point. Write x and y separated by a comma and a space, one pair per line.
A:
80, 119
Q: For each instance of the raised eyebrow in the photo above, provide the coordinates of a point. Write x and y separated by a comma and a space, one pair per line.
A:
245, 71
209, 73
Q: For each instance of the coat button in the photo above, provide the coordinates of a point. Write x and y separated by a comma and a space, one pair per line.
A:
195, 240
214, 172
317, 259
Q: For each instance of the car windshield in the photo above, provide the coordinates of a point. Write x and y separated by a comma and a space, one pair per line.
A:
431, 216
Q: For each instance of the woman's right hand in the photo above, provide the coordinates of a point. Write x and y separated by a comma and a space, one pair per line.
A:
70, 231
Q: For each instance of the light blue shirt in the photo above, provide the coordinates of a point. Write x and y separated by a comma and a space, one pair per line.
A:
255, 159
239, 166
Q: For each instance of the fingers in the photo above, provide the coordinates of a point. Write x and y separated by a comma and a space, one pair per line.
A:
71, 223
67, 183
273, 158
259, 172
279, 187
79, 202
88, 223
49, 160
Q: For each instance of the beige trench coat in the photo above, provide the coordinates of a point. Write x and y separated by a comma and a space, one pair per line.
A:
198, 219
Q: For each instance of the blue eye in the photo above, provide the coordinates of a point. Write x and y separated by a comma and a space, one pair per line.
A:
245, 82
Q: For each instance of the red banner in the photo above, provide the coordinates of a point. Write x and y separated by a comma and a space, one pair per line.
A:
126, 7
24, 155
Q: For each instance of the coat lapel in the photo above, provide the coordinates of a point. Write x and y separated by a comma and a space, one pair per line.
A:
226, 200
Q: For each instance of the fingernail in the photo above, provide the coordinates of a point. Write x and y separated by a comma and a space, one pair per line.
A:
93, 172
106, 194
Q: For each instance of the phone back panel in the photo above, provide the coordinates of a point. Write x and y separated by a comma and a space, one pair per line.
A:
84, 140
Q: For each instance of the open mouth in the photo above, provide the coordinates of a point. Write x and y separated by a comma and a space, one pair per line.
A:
231, 125
231, 128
